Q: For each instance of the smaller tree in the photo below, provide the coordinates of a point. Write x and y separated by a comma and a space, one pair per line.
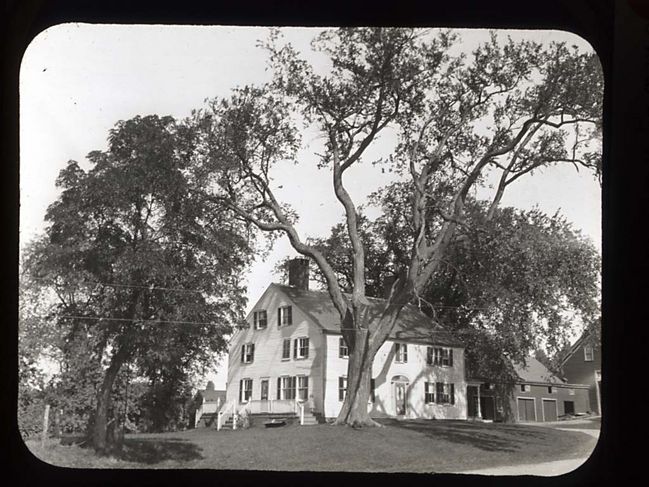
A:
145, 272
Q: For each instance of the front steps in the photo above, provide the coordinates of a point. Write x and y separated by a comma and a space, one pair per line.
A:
258, 419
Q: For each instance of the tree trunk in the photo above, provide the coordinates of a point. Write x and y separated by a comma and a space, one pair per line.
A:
354, 411
99, 434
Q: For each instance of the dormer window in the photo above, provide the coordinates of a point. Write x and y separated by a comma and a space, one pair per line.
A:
588, 353
285, 316
247, 353
260, 319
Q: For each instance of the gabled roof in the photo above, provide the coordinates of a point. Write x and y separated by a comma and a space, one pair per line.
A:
412, 325
211, 395
575, 346
535, 371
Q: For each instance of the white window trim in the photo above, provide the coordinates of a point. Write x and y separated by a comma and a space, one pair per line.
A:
282, 313
283, 389
286, 359
396, 355
592, 353
246, 347
297, 386
338, 388
341, 343
255, 319
433, 393
243, 389
299, 348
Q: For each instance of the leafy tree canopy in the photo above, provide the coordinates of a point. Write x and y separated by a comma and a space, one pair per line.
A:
144, 271
497, 114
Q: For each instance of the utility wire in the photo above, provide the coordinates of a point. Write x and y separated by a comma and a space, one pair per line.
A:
130, 286
137, 320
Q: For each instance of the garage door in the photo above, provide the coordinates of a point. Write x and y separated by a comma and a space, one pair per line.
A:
549, 410
526, 410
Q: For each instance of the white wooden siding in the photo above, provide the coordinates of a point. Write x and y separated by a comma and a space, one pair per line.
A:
268, 361
385, 368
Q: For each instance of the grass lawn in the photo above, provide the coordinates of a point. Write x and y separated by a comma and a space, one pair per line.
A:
585, 423
401, 446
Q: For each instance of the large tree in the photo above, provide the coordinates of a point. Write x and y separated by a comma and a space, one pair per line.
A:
460, 121
145, 273
516, 283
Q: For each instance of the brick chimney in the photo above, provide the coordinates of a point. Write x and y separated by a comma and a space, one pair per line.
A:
298, 273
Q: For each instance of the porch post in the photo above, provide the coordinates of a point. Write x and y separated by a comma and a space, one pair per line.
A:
479, 411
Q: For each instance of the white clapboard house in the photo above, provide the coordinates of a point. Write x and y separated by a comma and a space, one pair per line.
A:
291, 359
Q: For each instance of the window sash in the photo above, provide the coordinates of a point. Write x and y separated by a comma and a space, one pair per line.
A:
342, 388
343, 350
588, 354
284, 316
286, 349
287, 387
401, 352
303, 387
429, 394
260, 319
245, 390
248, 353
445, 392
440, 356
302, 348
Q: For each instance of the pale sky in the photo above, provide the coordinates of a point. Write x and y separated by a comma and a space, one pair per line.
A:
78, 80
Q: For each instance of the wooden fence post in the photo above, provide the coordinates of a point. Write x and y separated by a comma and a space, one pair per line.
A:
46, 419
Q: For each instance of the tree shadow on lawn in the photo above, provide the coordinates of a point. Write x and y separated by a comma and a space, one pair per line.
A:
151, 451
486, 436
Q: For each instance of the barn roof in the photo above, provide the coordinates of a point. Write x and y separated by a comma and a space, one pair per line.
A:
535, 371
412, 325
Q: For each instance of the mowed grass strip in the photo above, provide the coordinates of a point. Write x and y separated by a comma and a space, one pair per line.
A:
401, 446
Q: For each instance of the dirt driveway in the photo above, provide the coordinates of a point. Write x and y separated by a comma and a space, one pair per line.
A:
590, 426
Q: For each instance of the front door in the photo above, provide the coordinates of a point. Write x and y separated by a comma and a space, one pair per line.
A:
264, 389
400, 396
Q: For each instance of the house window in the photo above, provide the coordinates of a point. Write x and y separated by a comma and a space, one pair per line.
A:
429, 394
245, 390
372, 393
285, 316
260, 319
247, 353
286, 349
342, 388
588, 353
343, 351
445, 393
439, 356
401, 352
302, 387
525, 388
301, 348
286, 387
